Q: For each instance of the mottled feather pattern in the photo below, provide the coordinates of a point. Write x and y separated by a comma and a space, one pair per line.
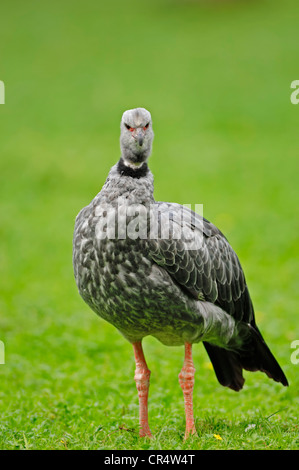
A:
153, 286
212, 272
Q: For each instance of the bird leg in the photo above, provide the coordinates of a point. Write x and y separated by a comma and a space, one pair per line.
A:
186, 379
142, 376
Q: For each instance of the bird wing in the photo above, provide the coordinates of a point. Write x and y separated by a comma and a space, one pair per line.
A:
200, 259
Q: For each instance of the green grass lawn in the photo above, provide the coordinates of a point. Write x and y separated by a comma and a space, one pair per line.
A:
216, 77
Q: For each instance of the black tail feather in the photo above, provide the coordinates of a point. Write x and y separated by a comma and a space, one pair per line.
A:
227, 367
228, 364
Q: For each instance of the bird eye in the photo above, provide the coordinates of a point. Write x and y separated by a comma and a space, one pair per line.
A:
146, 126
131, 129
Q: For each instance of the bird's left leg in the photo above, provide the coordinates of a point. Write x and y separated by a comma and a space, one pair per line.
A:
186, 379
142, 376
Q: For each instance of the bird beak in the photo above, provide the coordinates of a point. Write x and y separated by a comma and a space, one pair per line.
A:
140, 137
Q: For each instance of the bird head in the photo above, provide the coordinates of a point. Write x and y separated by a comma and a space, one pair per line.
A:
136, 136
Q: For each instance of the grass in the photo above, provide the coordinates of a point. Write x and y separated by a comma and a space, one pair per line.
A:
216, 77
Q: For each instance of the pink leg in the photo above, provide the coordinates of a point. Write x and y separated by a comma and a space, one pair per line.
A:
186, 379
142, 376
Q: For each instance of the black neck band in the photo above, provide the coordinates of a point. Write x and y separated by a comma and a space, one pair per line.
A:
137, 172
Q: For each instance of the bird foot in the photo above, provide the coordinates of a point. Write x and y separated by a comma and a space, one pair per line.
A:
190, 432
145, 432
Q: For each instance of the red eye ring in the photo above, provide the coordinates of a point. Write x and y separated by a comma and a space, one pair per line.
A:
131, 129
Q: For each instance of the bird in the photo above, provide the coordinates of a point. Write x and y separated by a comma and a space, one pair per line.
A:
154, 268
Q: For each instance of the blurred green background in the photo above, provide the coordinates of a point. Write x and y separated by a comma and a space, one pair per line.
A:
216, 77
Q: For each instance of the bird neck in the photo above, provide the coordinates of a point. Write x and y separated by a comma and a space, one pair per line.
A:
135, 186
135, 170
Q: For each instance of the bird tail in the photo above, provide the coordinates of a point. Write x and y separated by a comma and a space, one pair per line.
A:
254, 356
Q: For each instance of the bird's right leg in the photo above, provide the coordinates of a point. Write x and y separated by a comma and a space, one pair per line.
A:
186, 379
142, 376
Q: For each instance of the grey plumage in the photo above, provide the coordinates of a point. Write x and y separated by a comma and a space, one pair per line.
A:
165, 287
